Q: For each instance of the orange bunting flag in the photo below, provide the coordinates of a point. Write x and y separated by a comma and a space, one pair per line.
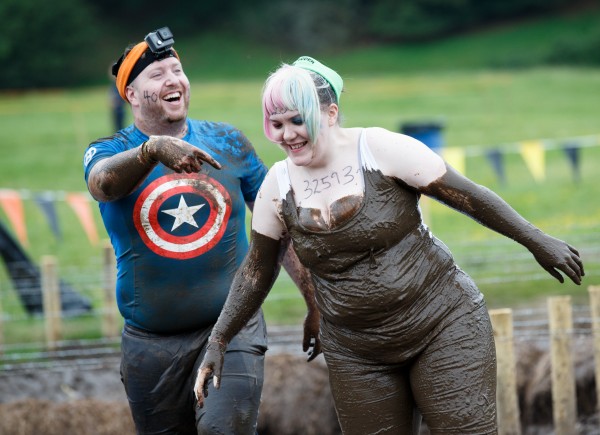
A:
80, 204
533, 154
455, 157
12, 205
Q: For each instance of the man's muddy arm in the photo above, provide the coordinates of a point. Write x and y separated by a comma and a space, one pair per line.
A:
117, 176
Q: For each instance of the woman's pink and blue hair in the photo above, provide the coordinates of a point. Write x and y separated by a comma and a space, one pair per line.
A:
293, 88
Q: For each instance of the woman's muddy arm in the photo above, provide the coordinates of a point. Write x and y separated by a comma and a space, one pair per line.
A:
487, 208
303, 280
268, 216
250, 287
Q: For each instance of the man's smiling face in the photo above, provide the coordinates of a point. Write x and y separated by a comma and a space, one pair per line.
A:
162, 92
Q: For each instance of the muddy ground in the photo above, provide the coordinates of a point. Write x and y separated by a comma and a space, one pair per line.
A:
89, 399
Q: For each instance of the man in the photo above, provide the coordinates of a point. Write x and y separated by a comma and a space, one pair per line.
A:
177, 226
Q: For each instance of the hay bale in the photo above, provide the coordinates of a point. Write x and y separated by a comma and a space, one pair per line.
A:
296, 398
82, 417
63, 383
585, 378
537, 393
535, 382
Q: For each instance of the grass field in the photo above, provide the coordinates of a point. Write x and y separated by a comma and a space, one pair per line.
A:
43, 136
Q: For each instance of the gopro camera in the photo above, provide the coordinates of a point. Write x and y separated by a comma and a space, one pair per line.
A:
160, 41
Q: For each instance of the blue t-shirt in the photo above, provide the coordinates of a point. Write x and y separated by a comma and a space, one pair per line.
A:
179, 238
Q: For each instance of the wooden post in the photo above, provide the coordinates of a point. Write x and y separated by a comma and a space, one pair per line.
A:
51, 300
506, 393
595, 312
564, 403
110, 327
1, 328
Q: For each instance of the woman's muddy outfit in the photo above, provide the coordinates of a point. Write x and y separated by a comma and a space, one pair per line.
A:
402, 325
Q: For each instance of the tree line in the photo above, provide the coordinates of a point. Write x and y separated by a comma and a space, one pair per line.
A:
67, 42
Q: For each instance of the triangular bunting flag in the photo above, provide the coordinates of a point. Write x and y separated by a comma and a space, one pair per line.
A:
46, 203
81, 206
496, 159
455, 157
572, 151
12, 205
534, 156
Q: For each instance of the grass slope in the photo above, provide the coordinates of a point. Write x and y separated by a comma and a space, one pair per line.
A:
43, 136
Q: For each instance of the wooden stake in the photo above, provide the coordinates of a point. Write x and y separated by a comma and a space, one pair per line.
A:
506, 393
564, 403
110, 326
595, 311
1, 329
51, 301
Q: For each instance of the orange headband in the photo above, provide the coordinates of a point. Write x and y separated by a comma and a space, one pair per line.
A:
129, 63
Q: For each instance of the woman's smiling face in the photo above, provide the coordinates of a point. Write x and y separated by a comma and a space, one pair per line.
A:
287, 128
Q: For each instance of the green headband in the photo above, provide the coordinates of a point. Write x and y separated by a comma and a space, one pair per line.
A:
333, 78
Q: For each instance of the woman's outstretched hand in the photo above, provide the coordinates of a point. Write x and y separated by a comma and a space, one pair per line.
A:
211, 367
554, 255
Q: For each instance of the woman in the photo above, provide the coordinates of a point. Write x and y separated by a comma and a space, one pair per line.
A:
403, 329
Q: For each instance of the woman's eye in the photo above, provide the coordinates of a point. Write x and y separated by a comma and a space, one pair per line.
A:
297, 120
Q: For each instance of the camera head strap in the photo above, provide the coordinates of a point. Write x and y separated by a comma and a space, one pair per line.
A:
156, 46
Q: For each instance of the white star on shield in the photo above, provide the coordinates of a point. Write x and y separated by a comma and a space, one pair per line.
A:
183, 213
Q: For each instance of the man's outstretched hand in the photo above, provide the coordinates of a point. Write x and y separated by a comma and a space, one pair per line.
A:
176, 154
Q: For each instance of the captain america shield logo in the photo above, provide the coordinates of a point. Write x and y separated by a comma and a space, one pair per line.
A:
182, 215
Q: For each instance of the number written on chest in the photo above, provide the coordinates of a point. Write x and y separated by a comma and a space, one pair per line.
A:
336, 178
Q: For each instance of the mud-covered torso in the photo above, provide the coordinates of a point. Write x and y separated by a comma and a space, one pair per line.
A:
381, 277
376, 222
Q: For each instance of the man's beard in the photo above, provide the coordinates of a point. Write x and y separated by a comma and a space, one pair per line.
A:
158, 114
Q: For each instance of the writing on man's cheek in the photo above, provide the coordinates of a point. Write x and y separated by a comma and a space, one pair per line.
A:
318, 185
151, 96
